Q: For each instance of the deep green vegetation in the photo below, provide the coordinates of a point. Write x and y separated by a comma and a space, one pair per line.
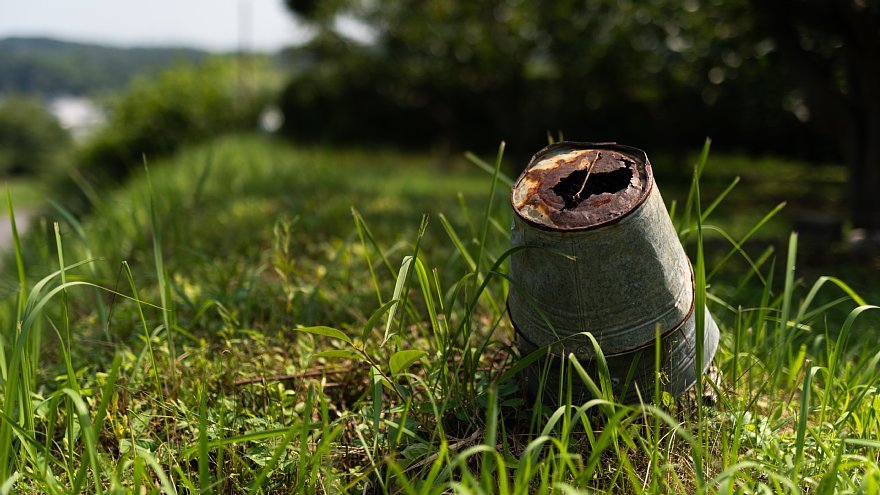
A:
798, 78
157, 115
31, 140
654, 72
248, 316
46, 67
251, 317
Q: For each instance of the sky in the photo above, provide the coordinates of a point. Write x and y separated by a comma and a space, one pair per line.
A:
218, 25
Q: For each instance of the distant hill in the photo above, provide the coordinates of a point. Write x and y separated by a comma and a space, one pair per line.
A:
49, 67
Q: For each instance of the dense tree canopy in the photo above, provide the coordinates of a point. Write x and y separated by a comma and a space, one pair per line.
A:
750, 74
472, 73
833, 50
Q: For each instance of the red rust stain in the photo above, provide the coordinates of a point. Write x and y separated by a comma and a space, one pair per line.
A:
549, 207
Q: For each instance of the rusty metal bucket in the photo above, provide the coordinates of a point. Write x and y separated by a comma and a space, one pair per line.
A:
604, 258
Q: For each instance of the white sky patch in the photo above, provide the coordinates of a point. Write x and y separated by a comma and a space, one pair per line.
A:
219, 25
354, 29
80, 116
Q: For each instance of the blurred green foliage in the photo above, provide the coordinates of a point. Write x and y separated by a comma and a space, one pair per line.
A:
472, 73
31, 139
47, 67
155, 116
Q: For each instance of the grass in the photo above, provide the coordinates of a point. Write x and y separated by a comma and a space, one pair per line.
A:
28, 192
255, 318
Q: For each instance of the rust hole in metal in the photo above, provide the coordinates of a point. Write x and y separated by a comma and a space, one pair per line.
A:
573, 191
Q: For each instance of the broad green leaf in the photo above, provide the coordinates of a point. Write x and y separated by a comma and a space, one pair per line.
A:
402, 360
326, 332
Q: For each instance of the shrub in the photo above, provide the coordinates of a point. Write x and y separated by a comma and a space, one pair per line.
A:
31, 139
154, 117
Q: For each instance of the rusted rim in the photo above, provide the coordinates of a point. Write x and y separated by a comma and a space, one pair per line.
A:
635, 153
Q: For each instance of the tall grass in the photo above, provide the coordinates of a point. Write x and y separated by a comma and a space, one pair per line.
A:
254, 343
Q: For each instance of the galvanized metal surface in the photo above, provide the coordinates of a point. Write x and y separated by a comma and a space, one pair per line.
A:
603, 258
625, 279
677, 361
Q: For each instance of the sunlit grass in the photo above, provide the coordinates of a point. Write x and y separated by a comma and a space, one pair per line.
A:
252, 318
26, 192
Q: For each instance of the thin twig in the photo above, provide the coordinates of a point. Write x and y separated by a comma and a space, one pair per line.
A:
577, 196
314, 373
285, 378
455, 447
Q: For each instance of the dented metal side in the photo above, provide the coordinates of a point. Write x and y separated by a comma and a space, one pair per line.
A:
618, 282
603, 257
631, 373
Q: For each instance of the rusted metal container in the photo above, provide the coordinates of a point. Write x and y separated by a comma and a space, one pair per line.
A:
604, 259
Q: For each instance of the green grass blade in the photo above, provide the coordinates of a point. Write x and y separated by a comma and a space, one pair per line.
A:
66, 340
164, 481
820, 282
456, 241
737, 247
708, 211
399, 287
148, 341
162, 277
26, 437
745, 238
9, 484
362, 235
83, 239
376, 380
91, 441
489, 469
803, 416
487, 214
489, 169
781, 336
367, 235
19, 260
428, 298
835, 358
376, 317
699, 316
689, 204
789, 281
253, 436
403, 295
205, 481
108, 391
280, 449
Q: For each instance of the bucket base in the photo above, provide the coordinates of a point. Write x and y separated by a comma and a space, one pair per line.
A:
631, 373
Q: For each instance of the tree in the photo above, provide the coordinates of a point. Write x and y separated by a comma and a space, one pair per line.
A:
437, 71
155, 116
833, 47
658, 73
31, 139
